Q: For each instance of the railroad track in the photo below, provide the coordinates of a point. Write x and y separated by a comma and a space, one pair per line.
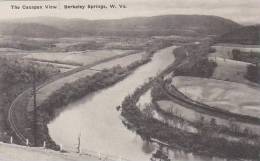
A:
11, 117
182, 99
24, 94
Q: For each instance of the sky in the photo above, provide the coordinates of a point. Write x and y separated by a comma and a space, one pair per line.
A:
241, 11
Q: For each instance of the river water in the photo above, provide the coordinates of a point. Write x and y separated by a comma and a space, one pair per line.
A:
97, 121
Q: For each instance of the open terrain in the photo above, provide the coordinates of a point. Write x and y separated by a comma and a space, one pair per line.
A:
225, 50
70, 60
230, 96
80, 48
230, 70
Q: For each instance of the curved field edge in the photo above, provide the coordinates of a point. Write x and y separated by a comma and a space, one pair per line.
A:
151, 129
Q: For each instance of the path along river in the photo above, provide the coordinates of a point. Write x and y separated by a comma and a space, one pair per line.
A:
97, 121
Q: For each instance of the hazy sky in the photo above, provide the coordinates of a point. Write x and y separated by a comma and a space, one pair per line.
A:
243, 11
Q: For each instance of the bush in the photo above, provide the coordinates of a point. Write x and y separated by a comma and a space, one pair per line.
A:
253, 73
203, 68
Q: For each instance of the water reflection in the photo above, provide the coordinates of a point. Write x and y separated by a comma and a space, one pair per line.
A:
98, 121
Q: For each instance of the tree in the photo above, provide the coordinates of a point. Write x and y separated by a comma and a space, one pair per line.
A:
252, 73
148, 111
234, 126
236, 54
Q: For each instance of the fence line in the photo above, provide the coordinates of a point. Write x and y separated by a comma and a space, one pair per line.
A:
14, 104
81, 152
92, 153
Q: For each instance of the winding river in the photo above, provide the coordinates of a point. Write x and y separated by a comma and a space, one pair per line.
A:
97, 121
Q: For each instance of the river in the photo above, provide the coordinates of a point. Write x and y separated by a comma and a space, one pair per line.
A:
174, 154
97, 121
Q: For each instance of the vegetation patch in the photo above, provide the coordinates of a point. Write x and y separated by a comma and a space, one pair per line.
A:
15, 77
200, 143
74, 91
250, 57
253, 73
203, 68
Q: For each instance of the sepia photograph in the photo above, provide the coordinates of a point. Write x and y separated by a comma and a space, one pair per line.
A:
129, 80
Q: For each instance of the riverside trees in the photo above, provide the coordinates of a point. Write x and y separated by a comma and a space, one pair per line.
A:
203, 142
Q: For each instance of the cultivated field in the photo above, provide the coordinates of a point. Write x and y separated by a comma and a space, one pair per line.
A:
66, 61
230, 70
194, 116
62, 67
69, 53
124, 61
76, 58
226, 51
234, 97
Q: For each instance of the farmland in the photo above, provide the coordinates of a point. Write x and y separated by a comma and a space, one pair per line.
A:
70, 60
230, 70
58, 56
197, 95
174, 110
225, 51
75, 58
230, 96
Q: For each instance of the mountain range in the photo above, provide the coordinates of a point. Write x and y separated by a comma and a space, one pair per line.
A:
183, 25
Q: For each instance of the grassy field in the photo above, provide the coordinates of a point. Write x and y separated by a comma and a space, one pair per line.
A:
190, 115
230, 70
43, 93
61, 67
234, 97
124, 61
66, 61
226, 51
75, 58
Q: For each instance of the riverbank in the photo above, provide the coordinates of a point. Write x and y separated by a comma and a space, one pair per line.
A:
71, 92
95, 116
27, 130
17, 114
201, 143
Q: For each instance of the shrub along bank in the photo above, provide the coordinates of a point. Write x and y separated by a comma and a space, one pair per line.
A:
149, 128
199, 143
74, 91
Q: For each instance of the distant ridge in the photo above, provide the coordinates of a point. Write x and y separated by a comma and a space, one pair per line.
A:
184, 25
249, 35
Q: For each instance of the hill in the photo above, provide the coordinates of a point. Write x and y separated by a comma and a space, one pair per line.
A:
184, 25
248, 35
30, 30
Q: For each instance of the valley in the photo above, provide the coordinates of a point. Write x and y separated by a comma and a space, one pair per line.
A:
164, 92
